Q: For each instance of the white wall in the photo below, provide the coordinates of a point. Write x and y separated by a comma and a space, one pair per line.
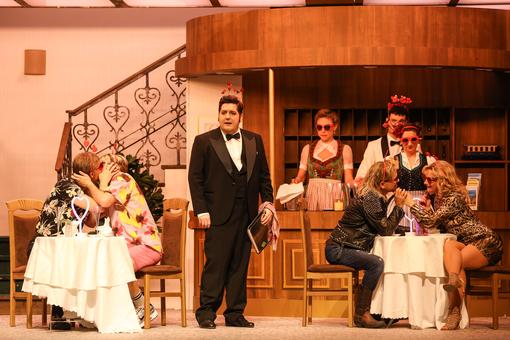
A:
88, 51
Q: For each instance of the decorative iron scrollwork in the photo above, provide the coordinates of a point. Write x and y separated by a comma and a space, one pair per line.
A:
86, 133
160, 125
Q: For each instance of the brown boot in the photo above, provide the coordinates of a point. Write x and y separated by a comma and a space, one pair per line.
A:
362, 318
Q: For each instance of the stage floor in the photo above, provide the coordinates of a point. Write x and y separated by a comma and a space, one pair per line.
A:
265, 328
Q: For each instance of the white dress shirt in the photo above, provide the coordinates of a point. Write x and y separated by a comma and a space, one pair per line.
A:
235, 150
407, 165
373, 153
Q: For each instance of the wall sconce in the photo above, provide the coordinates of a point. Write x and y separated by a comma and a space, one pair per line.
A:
35, 62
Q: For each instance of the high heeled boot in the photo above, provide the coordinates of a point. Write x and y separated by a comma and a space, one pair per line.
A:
362, 317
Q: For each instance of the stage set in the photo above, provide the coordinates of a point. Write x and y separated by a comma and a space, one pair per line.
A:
291, 62
350, 59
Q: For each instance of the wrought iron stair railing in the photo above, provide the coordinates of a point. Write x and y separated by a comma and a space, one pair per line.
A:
143, 115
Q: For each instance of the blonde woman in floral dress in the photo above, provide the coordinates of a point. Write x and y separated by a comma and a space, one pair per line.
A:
130, 217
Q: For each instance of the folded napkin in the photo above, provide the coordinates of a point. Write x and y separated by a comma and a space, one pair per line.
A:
287, 192
105, 229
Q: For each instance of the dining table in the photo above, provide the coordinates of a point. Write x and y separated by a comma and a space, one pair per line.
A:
411, 286
88, 275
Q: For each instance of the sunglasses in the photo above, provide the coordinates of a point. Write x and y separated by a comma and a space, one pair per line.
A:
406, 140
326, 127
429, 179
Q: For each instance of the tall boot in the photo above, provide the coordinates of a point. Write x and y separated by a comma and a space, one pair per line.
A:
362, 318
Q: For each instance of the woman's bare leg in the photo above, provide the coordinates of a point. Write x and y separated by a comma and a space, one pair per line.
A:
452, 257
470, 258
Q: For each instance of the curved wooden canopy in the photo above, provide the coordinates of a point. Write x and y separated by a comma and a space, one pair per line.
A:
347, 36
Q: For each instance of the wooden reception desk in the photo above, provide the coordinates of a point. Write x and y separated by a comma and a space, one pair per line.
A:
275, 278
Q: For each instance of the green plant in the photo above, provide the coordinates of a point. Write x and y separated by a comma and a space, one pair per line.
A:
148, 184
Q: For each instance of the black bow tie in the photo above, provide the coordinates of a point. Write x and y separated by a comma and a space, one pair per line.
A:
235, 136
392, 142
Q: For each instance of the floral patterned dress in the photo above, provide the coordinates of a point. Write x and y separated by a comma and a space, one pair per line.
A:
453, 215
57, 208
130, 215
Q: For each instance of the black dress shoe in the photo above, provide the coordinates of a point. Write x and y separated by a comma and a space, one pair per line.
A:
60, 325
207, 324
240, 321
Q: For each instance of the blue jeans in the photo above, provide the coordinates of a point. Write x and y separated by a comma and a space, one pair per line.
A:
373, 265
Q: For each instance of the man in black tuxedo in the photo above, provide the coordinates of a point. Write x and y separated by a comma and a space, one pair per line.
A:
227, 173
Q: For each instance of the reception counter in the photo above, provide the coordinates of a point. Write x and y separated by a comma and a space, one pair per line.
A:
275, 279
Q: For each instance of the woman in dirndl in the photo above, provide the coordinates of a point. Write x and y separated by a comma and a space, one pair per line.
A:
410, 164
327, 162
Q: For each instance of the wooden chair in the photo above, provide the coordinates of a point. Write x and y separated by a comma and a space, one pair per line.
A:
495, 274
23, 215
173, 238
323, 271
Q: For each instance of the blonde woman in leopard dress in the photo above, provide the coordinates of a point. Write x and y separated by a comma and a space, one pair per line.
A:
446, 207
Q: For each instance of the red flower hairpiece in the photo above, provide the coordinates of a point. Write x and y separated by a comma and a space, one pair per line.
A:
86, 144
231, 91
399, 101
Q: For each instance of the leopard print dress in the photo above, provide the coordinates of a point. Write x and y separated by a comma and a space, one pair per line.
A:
453, 215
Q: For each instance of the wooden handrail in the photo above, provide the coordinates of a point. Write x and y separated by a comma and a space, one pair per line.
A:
127, 81
62, 150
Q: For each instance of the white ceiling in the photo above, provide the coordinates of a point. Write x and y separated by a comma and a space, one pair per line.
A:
494, 4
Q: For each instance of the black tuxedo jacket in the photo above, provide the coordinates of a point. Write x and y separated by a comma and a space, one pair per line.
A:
210, 175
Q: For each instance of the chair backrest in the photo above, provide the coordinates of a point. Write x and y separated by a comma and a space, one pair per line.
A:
23, 215
173, 236
304, 221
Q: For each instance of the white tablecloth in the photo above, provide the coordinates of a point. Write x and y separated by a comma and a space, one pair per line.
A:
86, 275
412, 283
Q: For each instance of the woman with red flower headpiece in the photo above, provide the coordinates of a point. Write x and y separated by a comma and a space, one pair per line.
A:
327, 162
410, 163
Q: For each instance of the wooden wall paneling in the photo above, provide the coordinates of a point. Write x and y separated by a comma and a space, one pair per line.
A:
297, 88
350, 35
292, 150
291, 123
376, 118
346, 122
480, 126
492, 192
260, 270
429, 146
453, 128
360, 123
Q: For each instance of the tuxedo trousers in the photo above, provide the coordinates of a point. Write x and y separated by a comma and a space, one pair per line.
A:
227, 250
